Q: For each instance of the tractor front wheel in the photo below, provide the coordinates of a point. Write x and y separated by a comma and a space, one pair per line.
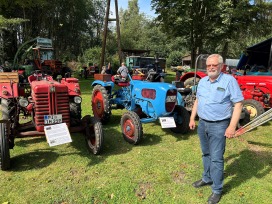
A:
100, 104
246, 118
93, 134
182, 119
4, 148
132, 129
254, 108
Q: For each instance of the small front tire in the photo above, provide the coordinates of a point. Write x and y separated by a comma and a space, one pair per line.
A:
254, 108
131, 126
93, 134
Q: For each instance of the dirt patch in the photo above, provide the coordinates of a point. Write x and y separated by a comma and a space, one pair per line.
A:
179, 177
143, 190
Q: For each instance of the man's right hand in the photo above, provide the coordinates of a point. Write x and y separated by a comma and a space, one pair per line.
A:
192, 124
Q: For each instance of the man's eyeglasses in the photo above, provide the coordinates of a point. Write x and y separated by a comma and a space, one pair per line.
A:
212, 65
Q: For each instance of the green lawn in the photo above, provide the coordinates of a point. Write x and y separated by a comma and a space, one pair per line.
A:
158, 170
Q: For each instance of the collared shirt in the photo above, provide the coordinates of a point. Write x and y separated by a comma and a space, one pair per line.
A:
215, 99
123, 70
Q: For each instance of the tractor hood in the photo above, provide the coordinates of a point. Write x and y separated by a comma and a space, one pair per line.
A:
251, 80
45, 86
259, 54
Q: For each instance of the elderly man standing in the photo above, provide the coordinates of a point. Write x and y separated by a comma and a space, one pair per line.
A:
217, 93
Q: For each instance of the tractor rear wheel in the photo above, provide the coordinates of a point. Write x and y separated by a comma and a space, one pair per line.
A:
100, 104
190, 82
182, 119
131, 126
4, 148
254, 108
93, 134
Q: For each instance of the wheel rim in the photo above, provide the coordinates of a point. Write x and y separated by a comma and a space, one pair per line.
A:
91, 140
252, 111
98, 104
128, 128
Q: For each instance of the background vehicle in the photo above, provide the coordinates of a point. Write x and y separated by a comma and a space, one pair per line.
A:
43, 101
147, 68
145, 102
38, 54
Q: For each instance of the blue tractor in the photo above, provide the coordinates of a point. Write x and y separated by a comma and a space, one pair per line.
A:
145, 101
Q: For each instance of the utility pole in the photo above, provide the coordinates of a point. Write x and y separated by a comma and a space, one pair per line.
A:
105, 33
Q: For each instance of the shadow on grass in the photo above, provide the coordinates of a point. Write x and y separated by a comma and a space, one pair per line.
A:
260, 144
246, 165
30, 140
180, 136
114, 144
33, 160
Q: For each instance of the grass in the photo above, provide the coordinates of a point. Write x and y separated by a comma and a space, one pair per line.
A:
158, 170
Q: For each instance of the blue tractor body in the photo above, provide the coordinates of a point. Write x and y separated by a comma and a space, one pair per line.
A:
146, 102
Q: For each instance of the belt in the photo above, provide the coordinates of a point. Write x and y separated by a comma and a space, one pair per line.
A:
216, 121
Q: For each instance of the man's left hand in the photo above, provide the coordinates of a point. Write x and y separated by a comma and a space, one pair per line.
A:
230, 132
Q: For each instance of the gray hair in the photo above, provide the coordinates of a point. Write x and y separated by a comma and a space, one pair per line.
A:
219, 57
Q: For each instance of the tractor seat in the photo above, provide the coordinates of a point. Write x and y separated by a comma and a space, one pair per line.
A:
123, 84
119, 82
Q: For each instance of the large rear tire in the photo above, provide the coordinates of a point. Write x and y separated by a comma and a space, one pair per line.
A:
93, 134
4, 148
131, 126
254, 108
190, 82
182, 119
100, 104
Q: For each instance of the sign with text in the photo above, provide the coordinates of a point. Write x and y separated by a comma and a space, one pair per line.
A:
167, 122
57, 134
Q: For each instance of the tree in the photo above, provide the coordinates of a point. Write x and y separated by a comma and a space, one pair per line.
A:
209, 26
6, 28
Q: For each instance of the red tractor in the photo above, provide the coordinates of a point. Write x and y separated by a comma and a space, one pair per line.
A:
38, 54
39, 100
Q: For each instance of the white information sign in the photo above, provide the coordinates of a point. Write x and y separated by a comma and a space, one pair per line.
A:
167, 122
57, 134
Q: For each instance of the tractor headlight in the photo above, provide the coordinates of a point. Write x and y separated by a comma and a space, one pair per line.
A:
77, 99
23, 102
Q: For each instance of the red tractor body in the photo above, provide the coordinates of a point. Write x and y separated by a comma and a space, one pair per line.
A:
27, 108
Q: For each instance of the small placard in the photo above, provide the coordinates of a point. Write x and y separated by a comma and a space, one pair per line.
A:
57, 134
167, 122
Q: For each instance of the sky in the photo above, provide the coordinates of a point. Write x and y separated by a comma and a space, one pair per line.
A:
144, 5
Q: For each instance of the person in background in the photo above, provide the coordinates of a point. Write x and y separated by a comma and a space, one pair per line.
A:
216, 96
103, 70
108, 70
122, 73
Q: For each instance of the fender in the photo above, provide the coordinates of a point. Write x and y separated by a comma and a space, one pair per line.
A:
188, 75
180, 100
102, 83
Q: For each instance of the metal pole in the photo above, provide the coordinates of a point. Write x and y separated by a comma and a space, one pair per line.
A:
118, 32
105, 33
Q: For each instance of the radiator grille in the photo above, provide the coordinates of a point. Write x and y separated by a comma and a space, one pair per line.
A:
51, 103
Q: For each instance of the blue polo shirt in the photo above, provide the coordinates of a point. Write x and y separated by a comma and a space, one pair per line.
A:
216, 99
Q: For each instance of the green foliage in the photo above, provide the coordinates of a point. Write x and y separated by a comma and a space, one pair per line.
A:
91, 56
174, 59
215, 26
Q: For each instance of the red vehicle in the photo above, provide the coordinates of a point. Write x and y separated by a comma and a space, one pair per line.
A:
38, 54
35, 102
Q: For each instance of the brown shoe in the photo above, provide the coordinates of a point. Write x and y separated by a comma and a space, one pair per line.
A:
200, 183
